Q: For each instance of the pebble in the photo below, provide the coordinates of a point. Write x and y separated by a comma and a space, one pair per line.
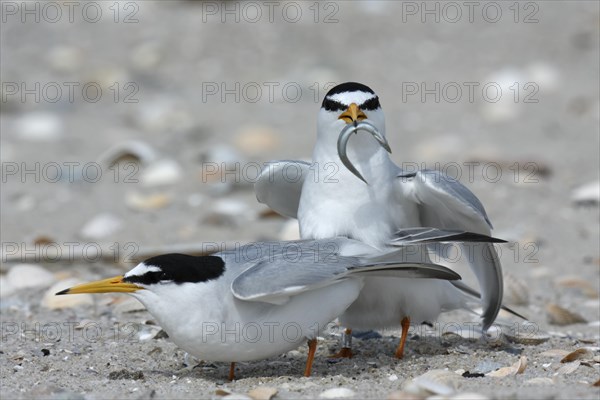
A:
337, 393
257, 140
53, 302
161, 172
24, 276
139, 202
39, 126
65, 58
539, 381
587, 195
101, 226
400, 395
228, 212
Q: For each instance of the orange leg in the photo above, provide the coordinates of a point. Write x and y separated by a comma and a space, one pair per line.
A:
232, 371
345, 351
405, 325
312, 347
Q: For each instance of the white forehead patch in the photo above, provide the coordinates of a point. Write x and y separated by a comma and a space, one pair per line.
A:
141, 269
348, 98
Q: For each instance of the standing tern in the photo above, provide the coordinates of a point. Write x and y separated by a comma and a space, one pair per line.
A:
369, 198
264, 299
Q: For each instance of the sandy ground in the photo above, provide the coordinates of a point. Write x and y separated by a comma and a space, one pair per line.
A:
194, 92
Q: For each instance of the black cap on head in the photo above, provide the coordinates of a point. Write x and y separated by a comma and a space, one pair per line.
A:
180, 268
350, 87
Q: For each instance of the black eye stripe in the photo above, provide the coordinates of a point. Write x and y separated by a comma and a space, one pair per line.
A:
371, 104
180, 268
332, 105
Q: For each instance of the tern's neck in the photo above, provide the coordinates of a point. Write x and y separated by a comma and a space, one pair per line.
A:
371, 160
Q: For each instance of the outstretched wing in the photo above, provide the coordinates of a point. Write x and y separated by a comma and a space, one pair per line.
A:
445, 203
276, 279
280, 184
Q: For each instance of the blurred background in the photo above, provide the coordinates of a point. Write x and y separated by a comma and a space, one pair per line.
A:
140, 126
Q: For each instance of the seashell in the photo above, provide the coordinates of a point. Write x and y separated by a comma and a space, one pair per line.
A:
127, 305
139, 202
554, 353
579, 354
515, 369
558, 315
221, 392
539, 381
577, 283
597, 383
24, 276
337, 393
435, 381
131, 150
527, 334
262, 393
53, 302
161, 172
236, 396
516, 291
587, 195
100, 227
568, 368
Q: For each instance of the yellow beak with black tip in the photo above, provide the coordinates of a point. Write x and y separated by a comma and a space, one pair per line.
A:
353, 114
110, 285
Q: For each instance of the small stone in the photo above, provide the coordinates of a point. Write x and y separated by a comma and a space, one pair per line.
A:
162, 172
65, 58
23, 276
125, 374
101, 226
337, 393
52, 302
39, 127
256, 141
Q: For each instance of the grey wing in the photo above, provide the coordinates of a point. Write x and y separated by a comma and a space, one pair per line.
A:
280, 184
445, 203
278, 278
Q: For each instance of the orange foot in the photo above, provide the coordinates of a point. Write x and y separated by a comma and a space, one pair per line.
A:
345, 352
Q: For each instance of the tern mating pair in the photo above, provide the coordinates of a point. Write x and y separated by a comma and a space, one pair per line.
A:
364, 257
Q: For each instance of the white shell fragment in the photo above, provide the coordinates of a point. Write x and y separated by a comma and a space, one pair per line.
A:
39, 127
516, 368
134, 150
568, 368
435, 381
262, 393
140, 202
588, 194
